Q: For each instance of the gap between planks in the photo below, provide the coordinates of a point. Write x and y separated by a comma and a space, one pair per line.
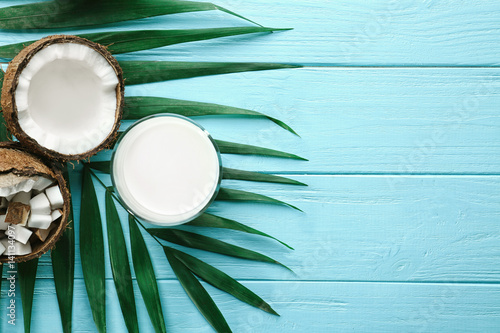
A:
333, 281
387, 66
381, 174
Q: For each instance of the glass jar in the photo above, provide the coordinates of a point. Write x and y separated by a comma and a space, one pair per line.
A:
166, 169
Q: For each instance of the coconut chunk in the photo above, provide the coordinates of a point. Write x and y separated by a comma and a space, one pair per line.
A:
42, 234
40, 204
5, 243
3, 225
42, 183
55, 197
26, 244
22, 249
56, 214
39, 221
12, 184
22, 197
20, 233
17, 249
14, 248
17, 213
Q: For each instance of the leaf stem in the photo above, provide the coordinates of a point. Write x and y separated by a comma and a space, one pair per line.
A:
149, 232
104, 185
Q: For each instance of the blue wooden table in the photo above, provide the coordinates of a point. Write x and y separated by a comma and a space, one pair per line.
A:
398, 108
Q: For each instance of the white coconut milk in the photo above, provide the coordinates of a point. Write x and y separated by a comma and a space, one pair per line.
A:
166, 169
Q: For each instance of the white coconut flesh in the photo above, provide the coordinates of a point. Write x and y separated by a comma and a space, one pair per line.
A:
39, 200
66, 98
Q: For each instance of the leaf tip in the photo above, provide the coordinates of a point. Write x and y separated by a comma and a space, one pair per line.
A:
294, 207
285, 266
279, 29
270, 310
296, 182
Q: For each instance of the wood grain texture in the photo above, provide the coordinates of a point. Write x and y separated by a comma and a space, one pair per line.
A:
351, 120
369, 228
306, 307
345, 32
400, 225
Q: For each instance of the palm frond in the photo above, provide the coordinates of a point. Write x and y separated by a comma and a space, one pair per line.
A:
188, 269
120, 267
71, 14
227, 194
213, 221
227, 147
27, 277
221, 280
63, 267
136, 40
198, 294
235, 174
137, 107
146, 278
201, 242
139, 72
92, 251
103, 166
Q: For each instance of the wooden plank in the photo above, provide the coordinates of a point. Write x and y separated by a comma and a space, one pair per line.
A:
378, 120
345, 33
371, 228
314, 307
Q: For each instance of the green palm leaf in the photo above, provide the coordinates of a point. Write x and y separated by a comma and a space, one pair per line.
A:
27, 275
139, 72
236, 174
103, 166
198, 294
131, 41
120, 265
213, 221
226, 147
145, 276
226, 194
221, 280
201, 242
92, 251
137, 107
63, 267
227, 173
68, 14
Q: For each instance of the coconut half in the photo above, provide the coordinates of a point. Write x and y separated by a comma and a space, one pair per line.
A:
16, 161
62, 97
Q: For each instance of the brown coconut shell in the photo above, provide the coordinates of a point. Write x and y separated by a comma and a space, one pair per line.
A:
11, 80
16, 159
